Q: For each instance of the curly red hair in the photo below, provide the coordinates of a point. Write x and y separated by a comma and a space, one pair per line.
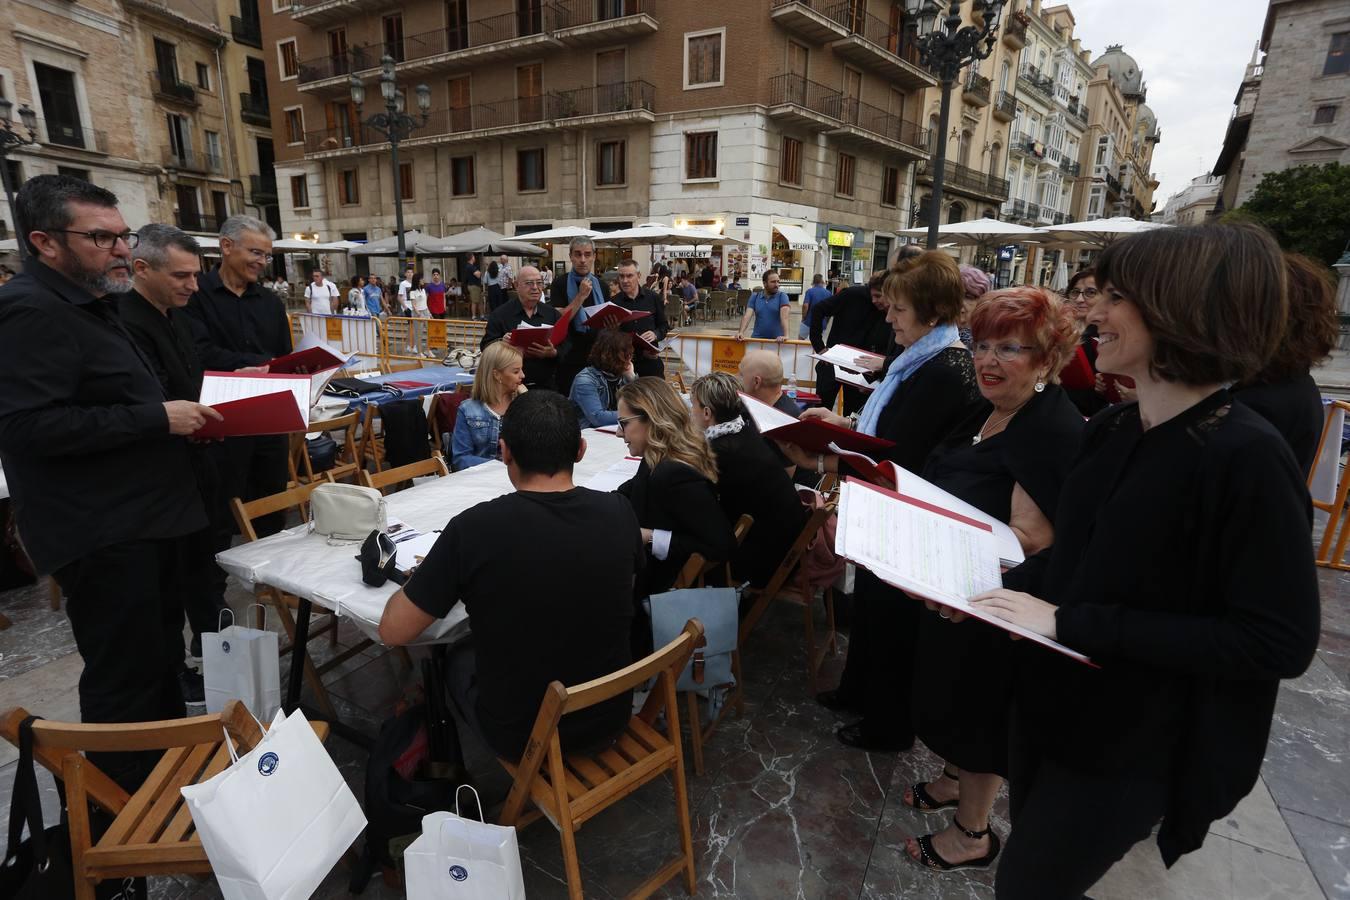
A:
1031, 313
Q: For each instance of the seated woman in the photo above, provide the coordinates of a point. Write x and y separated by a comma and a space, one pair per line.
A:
595, 390
751, 480
1008, 459
674, 491
500, 377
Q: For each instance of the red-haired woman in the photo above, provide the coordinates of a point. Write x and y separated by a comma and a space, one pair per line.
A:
1008, 458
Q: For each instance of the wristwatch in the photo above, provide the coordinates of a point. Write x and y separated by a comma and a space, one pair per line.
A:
820, 463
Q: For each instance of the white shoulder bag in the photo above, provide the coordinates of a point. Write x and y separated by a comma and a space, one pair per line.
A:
347, 512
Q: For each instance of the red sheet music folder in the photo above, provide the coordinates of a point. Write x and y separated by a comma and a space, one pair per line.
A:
814, 435
260, 403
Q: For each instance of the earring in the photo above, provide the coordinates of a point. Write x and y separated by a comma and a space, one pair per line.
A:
1040, 385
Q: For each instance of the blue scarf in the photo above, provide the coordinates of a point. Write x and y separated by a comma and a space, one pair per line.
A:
903, 366
595, 299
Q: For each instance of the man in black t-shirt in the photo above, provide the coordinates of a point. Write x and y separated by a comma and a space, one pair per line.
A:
558, 610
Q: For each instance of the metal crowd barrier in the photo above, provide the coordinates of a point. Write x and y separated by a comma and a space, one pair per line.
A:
389, 344
704, 353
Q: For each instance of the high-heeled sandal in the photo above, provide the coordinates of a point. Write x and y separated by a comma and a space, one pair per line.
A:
924, 802
929, 857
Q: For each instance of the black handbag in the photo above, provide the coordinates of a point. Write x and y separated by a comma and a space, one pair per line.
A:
322, 452
38, 868
358, 387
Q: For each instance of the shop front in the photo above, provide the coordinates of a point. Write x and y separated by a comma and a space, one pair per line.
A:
849, 256
792, 252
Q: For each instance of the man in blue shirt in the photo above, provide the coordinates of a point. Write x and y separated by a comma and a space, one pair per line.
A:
374, 296
769, 310
816, 292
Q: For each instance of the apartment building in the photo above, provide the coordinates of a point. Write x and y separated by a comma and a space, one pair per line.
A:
1195, 203
1121, 139
138, 96
250, 131
793, 124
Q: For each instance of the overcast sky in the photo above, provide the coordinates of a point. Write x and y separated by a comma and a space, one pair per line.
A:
1192, 56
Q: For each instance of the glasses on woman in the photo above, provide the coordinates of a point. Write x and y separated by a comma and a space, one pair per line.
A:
106, 240
627, 419
1082, 296
1002, 352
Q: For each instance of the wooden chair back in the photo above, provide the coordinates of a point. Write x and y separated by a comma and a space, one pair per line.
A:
391, 477
348, 461
786, 569
1337, 530
570, 789
297, 498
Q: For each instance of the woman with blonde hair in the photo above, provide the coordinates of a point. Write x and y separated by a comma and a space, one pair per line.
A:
500, 377
673, 492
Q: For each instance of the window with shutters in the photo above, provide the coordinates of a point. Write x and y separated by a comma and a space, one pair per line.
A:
704, 58
1338, 55
700, 156
843, 177
295, 125
349, 190
530, 170
790, 162
405, 181
203, 76
462, 182
611, 163
299, 192
289, 60
1324, 115
890, 186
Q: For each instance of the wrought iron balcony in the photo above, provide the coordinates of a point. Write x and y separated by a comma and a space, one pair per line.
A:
580, 21
255, 110
1005, 106
166, 86
263, 189
965, 179
338, 65
800, 101
1035, 80
873, 43
819, 107
816, 20
1015, 30
246, 31
976, 91
1072, 169
71, 134
191, 220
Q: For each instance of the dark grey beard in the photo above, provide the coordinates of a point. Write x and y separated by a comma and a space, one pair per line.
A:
101, 284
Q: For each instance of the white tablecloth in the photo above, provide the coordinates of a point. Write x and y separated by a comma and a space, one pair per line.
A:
306, 565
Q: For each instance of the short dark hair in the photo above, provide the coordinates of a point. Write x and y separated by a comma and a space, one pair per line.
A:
607, 353
43, 203
435, 271
1312, 329
1213, 298
155, 241
1078, 276
542, 431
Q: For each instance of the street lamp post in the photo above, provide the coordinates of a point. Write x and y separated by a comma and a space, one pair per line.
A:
11, 139
946, 47
394, 124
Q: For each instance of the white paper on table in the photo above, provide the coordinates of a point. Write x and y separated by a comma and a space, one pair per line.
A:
925, 551
217, 389
615, 475
411, 550
844, 376
844, 356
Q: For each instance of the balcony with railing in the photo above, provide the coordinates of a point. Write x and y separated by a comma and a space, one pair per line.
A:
1015, 29
192, 161
263, 189
964, 179
798, 101
255, 110
167, 87
976, 91
246, 31
862, 123
330, 71
1034, 80
191, 220
873, 43
1024, 144
1078, 112
1070, 168
72, 135
587, 107
1005, 106
816, 20
582, 21
1013, 210
490, 39
325, 12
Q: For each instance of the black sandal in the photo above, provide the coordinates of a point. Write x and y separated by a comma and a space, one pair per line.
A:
930, 857
924, 802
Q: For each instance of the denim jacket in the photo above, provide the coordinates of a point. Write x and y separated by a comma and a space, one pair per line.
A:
475, 439
594, 396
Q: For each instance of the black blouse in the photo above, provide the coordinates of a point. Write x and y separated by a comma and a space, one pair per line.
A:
751, 480
927, 406
1294, 407
676, 498
1183, 566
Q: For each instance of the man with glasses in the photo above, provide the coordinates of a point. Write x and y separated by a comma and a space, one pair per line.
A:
97, 457
239, 325
541, 360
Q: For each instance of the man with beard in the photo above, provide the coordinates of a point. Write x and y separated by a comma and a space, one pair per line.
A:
97, 457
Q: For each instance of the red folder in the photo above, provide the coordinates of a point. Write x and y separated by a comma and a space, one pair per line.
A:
274, 412
611, 313
815, 435
315, 359
524, 337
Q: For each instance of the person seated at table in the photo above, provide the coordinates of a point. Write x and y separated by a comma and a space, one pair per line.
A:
541, 360
674, 492
559, 611
761, 376
750, 478
767, 309
1284, 392
500, 377
595, 390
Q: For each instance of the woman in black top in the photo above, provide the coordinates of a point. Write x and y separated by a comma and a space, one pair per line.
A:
750, 479
1284, 393
673, 492
927, 391
1182, 565
1009, 459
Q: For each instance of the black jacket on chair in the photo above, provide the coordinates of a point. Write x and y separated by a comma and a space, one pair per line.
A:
676, 498
751, 480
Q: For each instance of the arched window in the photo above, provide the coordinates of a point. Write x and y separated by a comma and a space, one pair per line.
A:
1003, 75
963, 152
932, 134
956, 213
995, 160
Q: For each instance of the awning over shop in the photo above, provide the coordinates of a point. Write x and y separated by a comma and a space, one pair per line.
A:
797, 237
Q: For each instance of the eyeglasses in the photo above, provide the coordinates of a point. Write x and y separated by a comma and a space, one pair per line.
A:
533, 282
1002, 352
621, 422
106, 240
1080, 296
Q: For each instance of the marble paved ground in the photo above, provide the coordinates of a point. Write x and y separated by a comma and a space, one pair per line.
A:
783, 811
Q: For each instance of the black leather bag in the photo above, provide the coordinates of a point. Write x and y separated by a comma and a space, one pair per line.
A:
322, 452
38, 868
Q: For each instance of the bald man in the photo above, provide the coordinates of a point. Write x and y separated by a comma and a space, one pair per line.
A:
761, 373
541, 360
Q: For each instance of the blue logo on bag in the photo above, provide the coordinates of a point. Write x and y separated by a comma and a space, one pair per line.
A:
267, 763
459, 873
224, 646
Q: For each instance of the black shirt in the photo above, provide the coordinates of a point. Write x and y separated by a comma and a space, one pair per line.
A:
751, 480
645, 301
540, 372
675, 497
237, 330
541, 610
84, 438
856, 321
928, 406
167, 342
1294, 407
1183, 566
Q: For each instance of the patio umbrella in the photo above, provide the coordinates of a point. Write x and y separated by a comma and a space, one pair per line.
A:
559, 235
667, 235
1098, 232
480, 240
413, 241
981, 233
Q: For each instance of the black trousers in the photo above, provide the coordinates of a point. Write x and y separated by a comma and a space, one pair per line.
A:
1069, 827
255, 467
878, 675
125, 609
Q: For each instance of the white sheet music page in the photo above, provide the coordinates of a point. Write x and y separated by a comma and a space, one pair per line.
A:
846, 356
1009, 547
766, 417
844, 376
609, 479
218, 388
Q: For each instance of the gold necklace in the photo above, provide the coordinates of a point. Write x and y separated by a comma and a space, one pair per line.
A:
980, 435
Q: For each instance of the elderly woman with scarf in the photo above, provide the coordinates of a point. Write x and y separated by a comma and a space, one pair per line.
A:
928, 390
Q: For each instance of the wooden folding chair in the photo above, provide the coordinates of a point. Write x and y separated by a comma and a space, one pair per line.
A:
151, 831
783, 581
348, 463
570, 789
391, 477
1335, 510
296, 498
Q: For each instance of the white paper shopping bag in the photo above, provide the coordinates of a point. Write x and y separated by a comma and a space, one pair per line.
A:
242, 663
276, 821
463, 859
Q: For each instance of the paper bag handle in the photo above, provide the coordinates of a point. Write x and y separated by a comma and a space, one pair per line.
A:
229, 744
476, 800
220, 619
264, 612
